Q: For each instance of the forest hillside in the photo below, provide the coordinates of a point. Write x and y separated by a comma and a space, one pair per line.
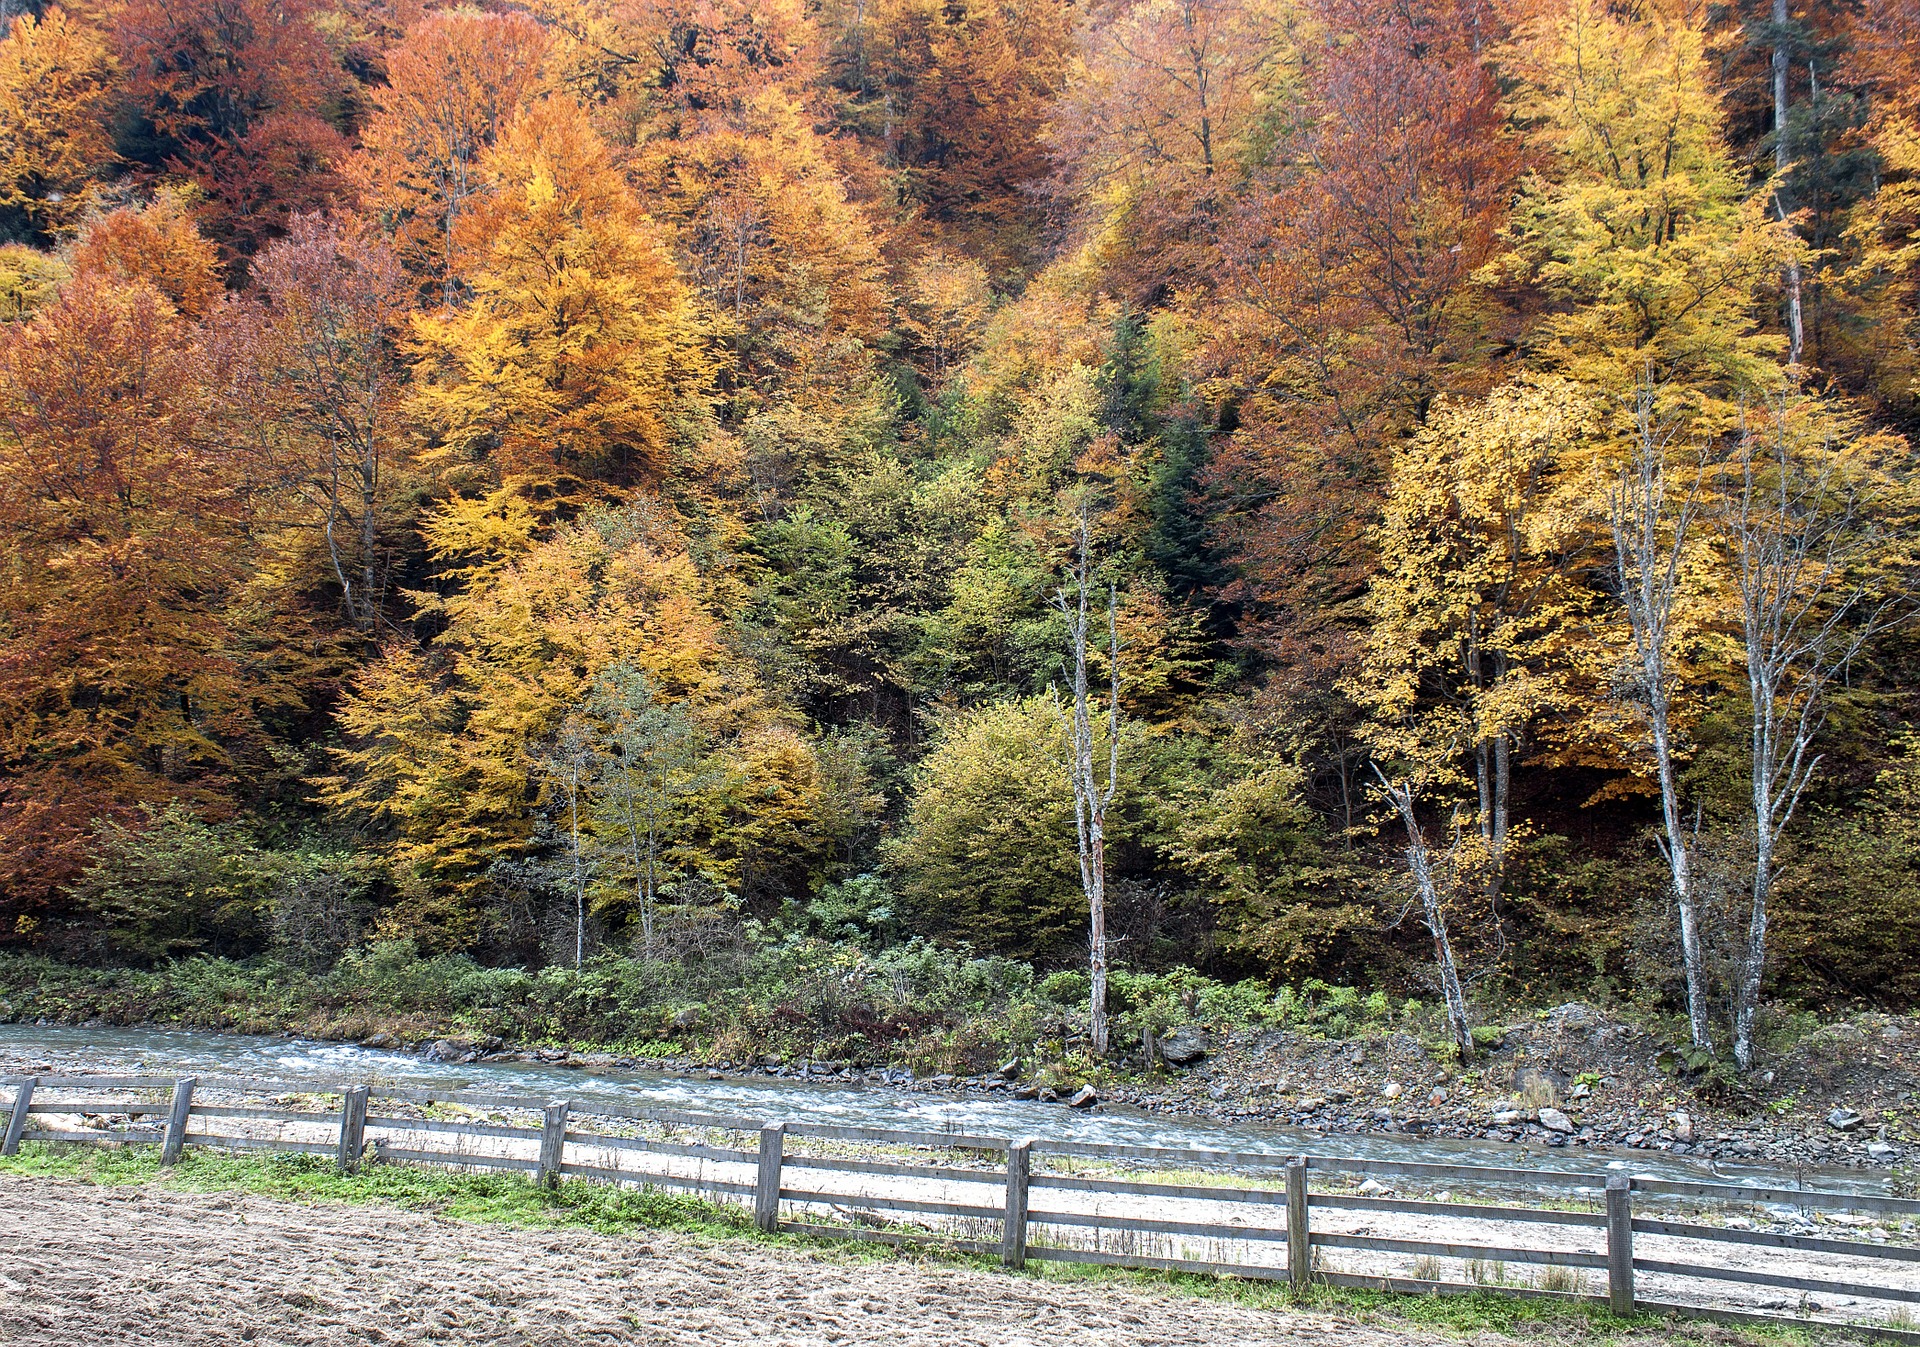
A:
788, 505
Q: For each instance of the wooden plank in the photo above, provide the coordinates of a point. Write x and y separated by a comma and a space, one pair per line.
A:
218, 1141
454, 1128
88, 1138
17, 1120
1852, 1327
1462, 1174
939, 1140
1013, 1221
1767, 1239
1742, 1275
895, 1237
1173, 1156
262, 1114
1247, 1271
1416, 1286
1738, 1194
766, 1199
177, 1115
1619, 1245
866, 1202
646, 1178
1193, 1192
1463, 1210
644, 1146
942, 1172
1440, 1249
106, 1082
77, 1107
460, 1161
1155, 1226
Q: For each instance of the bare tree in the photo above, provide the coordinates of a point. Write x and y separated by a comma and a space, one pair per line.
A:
566, 763
329, 306
1650, 539
1782, 160
1798, 546
1427, 885
1091, 800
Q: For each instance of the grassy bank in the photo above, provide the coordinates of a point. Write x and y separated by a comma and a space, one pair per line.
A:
607, 1210
916, 1005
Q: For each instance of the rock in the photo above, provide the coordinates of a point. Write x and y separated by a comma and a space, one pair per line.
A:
1844, 1120
448, 1050
1183, 1046
1371, 1188
1892, 1034
378, 1041
1084, 1097
1009, 1068
1047, 1096
941, 1082
1358, 1057
1681, 1125
690, 1018
1436, 1098
1026, 1092
1880, 1150
1555, 1121
1573, 1015
1218, 1093
1507, 1117
1391, 1090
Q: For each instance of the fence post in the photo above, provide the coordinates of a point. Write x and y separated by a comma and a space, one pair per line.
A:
1299, 1237
1013, 1236
553, 1143
1620, 1244
353, 1128
766, 1193
177, 1120
22, 1096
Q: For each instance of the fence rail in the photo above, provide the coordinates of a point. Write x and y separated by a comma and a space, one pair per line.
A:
1235, 1224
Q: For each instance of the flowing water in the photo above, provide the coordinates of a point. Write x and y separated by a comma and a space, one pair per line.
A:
175, 1052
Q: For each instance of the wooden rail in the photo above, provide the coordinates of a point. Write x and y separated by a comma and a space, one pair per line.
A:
1238, 1221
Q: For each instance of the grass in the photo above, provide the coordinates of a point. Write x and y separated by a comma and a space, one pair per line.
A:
605, 1209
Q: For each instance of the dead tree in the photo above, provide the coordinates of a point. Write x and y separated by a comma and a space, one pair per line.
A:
1091, 800
1799, 551
1427, 885
1650, 537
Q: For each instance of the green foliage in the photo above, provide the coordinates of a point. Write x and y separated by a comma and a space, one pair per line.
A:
987, 854
174, 883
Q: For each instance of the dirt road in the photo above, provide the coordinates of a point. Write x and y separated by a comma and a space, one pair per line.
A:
81, 1265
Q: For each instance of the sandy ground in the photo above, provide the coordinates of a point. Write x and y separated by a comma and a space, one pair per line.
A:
81, 1265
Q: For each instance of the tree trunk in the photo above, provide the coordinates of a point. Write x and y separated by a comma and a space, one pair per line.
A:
1796, 327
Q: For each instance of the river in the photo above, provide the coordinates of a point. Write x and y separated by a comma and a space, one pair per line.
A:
178, 1052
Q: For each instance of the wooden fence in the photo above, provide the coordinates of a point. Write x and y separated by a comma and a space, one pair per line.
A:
1032, 1205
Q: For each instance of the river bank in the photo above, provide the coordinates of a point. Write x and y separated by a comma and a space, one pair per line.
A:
1567, 1081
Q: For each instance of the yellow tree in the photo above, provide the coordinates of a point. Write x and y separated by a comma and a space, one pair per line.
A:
54, 108
1640, 227
580, 349
1469, 609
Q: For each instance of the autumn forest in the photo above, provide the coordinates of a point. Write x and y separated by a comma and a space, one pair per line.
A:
1407, 493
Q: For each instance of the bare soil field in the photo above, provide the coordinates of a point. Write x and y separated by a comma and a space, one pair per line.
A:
81, 1265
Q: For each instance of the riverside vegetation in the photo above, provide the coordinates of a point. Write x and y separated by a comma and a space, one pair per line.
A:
923, 532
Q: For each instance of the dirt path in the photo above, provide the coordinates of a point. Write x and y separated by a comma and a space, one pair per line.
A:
84, 1265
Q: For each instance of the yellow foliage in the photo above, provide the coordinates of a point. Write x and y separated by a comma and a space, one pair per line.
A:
54, 104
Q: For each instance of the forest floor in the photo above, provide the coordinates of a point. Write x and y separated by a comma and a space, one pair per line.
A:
161, 1263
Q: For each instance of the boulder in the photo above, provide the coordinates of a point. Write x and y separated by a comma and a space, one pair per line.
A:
1084, 1097
1880, 1150
1047, 1095
1391, 1090
1681, 1125
1506, 1117
449, 1050
1555, 1121
1026, 1092
1844, 1119
379, 1041
1009, 1068
1183, 1046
